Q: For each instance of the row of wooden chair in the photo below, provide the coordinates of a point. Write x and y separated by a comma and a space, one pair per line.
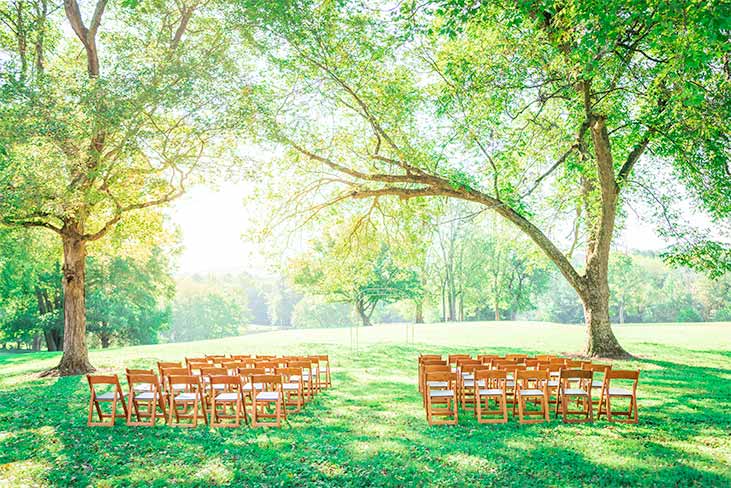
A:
522, 382
226, 390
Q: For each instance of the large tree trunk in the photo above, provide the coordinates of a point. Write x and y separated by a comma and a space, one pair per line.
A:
600, 339
75, 358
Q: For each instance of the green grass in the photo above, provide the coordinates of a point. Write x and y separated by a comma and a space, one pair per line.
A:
370, 430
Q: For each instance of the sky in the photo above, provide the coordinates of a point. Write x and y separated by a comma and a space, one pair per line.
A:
215, 222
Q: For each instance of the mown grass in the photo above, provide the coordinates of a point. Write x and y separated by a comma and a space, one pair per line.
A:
369, 430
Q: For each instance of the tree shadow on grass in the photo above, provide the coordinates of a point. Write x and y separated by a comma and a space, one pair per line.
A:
369, 430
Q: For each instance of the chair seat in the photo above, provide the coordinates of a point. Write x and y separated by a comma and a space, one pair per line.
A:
471, 383
186, 397
441, 393
575, 392
216, 387
468, 376
531, 392
597, 384
141, 387
555, 373
619, 392
227, 397
291, 386
552, 383
108, 396
491, 392
303, 377
437, 384
147, 395
247, 386
265, 396
179, 387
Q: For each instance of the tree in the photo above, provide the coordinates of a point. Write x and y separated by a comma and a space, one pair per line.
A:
208, 307
519, 107
86, 141
30, 286
362, 276
129, 300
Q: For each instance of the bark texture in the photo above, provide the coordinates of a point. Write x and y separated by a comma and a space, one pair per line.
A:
75, 360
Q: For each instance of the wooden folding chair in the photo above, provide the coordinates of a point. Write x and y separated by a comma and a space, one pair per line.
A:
423, 364
468, 384
324, 369
315, 372
441, 401
196, 360
609, 392
495, 388
305, 377
574, 384
232, 397
599, 370
248, 387
115, 396
532, 385
427, 385
151, 400
486, 358
168, 387
267, 395
188, 402
294, 393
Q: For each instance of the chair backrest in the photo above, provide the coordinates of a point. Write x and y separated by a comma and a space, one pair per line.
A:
486, 358
596, 367
448, 376
516, 357
267, 382
623, 374
437, 367
532, 363
196, 366
575, 374
452, 358
306, 365
247, 373
461, 362
161, 365
570, 363
493, 378
138, 371
269, 365
213, 371
538, 377
423, 357
265, 356
239, 357
545, 357
103, 379
431, 362
189, 380
225, 380
196, 360
143, 378
287, 373
474, 368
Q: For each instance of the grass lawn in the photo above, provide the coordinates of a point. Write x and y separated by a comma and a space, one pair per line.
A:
370, 428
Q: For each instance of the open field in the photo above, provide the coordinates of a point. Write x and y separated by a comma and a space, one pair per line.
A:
370, 430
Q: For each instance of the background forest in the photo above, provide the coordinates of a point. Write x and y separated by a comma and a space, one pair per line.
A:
470, 271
